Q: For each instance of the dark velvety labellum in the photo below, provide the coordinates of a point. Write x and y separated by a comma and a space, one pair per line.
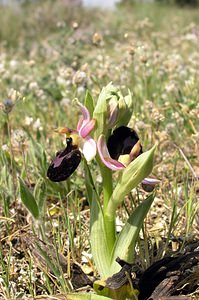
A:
122, 141
65, 163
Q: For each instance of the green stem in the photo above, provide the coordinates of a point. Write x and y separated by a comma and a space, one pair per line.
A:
109, 220
110, 229
112, 207
107, 185
109, 223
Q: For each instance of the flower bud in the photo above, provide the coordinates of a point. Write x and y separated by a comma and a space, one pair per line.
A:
125, 110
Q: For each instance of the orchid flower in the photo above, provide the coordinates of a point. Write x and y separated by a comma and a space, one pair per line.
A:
67, 160
123, 146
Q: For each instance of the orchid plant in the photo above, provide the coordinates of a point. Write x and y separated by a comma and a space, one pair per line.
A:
122, 165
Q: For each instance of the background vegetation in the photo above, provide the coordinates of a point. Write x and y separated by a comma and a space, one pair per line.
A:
50, 54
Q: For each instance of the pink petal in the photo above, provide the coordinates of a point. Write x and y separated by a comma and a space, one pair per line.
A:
87, 128
85, 112
79, 124
105, 156
85, 124
150, 181
89, 148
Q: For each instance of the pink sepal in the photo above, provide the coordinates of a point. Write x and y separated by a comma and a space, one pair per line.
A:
105, 156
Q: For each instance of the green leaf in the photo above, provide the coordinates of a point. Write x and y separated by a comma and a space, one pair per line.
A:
99, 245
124, 292
28, 199
126, 241
136, 171
85, 297
89, 103
101, 249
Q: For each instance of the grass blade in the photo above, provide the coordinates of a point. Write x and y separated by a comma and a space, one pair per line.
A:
28, 199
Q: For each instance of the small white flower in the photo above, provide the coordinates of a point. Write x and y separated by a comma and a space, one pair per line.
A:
37, 125
28, 120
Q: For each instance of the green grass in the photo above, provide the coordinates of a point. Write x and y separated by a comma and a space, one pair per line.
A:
151, 50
